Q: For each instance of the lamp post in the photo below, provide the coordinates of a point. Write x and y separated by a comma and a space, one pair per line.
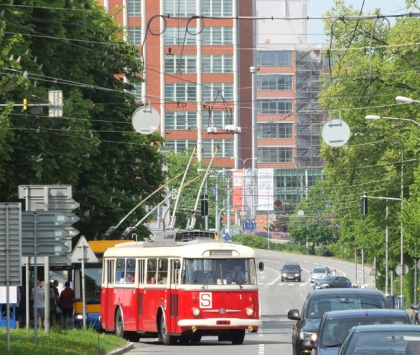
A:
374, 117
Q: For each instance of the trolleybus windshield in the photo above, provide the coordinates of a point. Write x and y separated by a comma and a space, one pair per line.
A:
219, 271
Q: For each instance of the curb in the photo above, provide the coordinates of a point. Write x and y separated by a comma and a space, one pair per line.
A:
121, 350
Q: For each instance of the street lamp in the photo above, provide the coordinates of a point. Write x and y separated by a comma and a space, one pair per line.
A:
404, 99
373, 117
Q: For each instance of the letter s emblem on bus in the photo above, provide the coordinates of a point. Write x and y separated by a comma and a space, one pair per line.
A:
205, 300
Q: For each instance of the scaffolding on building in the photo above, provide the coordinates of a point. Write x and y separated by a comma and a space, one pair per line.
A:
309, 117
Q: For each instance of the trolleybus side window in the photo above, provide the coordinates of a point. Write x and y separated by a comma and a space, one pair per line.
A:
130, 272
151, 271
109, 271
163, 271
141, 270
120, 271
175, 271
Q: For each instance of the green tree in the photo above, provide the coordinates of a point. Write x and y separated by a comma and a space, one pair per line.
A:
77, 48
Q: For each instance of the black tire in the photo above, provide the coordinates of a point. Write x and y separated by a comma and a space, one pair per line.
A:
238, 337
195, 338
119, 324
299, 279
282, 280
163, 333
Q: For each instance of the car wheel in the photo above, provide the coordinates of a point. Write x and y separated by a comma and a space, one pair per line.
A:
282, 280
299, 279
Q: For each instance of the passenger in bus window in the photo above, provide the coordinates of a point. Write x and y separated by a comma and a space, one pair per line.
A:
151, 279
122, 278
236, 276
129, 278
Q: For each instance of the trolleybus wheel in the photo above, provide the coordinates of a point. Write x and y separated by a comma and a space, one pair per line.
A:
166, 338
238, 337
195, 338
119, 325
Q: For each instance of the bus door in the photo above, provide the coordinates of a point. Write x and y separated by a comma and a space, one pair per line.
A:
149, 299
175, 272
107, 297
140, 289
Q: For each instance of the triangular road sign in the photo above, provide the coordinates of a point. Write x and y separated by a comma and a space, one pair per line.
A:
83, 250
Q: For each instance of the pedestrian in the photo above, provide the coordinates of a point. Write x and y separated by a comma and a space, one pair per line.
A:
57, 301
334, 272
21, 308
38, 297
53, 306
67, 302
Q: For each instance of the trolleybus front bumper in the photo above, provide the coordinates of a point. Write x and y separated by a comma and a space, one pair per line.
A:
223, 322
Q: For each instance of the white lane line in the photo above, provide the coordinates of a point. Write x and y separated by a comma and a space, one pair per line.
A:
261, 349
260, 331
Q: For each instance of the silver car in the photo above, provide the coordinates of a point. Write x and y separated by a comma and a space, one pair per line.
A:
319, 272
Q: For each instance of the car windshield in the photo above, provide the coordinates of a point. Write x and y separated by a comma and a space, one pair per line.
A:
384, 342
319, 305
291, 268
335, 330
319, 271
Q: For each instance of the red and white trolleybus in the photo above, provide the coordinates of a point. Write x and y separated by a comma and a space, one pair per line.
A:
180, 290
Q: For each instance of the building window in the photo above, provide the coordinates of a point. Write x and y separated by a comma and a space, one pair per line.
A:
274, 58
176, 35
275, 155
217, 91
137, 92
134, 8
181, 92
274, 106
186, 64
225, 148
216, 7
217, 63
216, 35
274, 82
274, 130
218, 119
178, 146
134, 35
179, 7
180, 120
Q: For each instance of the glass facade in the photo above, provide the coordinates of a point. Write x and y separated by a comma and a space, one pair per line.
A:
275, 130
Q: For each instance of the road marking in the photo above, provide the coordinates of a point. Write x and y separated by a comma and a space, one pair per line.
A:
261, 349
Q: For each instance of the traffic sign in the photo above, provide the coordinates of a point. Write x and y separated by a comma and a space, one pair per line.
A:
44, 192
43, 218
54, 204
46, 249
52, 233
399, 269
10, 244
72, 218
71, 231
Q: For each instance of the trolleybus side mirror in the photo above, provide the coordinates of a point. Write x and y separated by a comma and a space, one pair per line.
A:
261, 266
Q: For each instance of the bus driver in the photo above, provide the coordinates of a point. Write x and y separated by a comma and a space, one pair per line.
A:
236, 276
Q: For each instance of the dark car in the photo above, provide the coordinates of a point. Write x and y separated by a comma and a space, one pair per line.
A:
335, 325
333, 282
320, 301
382, 340
291, 271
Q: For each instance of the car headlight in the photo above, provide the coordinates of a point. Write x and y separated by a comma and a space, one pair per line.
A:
195, 311
296, 274
306, 335
249, 311
283, 274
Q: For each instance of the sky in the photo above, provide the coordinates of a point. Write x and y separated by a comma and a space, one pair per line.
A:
317, 8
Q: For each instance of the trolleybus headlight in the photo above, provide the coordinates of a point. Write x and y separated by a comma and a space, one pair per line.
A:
79, 316
195, 311
249, 311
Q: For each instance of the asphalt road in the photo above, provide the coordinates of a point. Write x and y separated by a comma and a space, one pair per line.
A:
276, 298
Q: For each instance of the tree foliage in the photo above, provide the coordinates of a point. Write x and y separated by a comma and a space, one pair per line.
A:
372, 62
77, 48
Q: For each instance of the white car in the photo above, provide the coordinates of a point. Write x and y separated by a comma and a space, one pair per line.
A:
319, 272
